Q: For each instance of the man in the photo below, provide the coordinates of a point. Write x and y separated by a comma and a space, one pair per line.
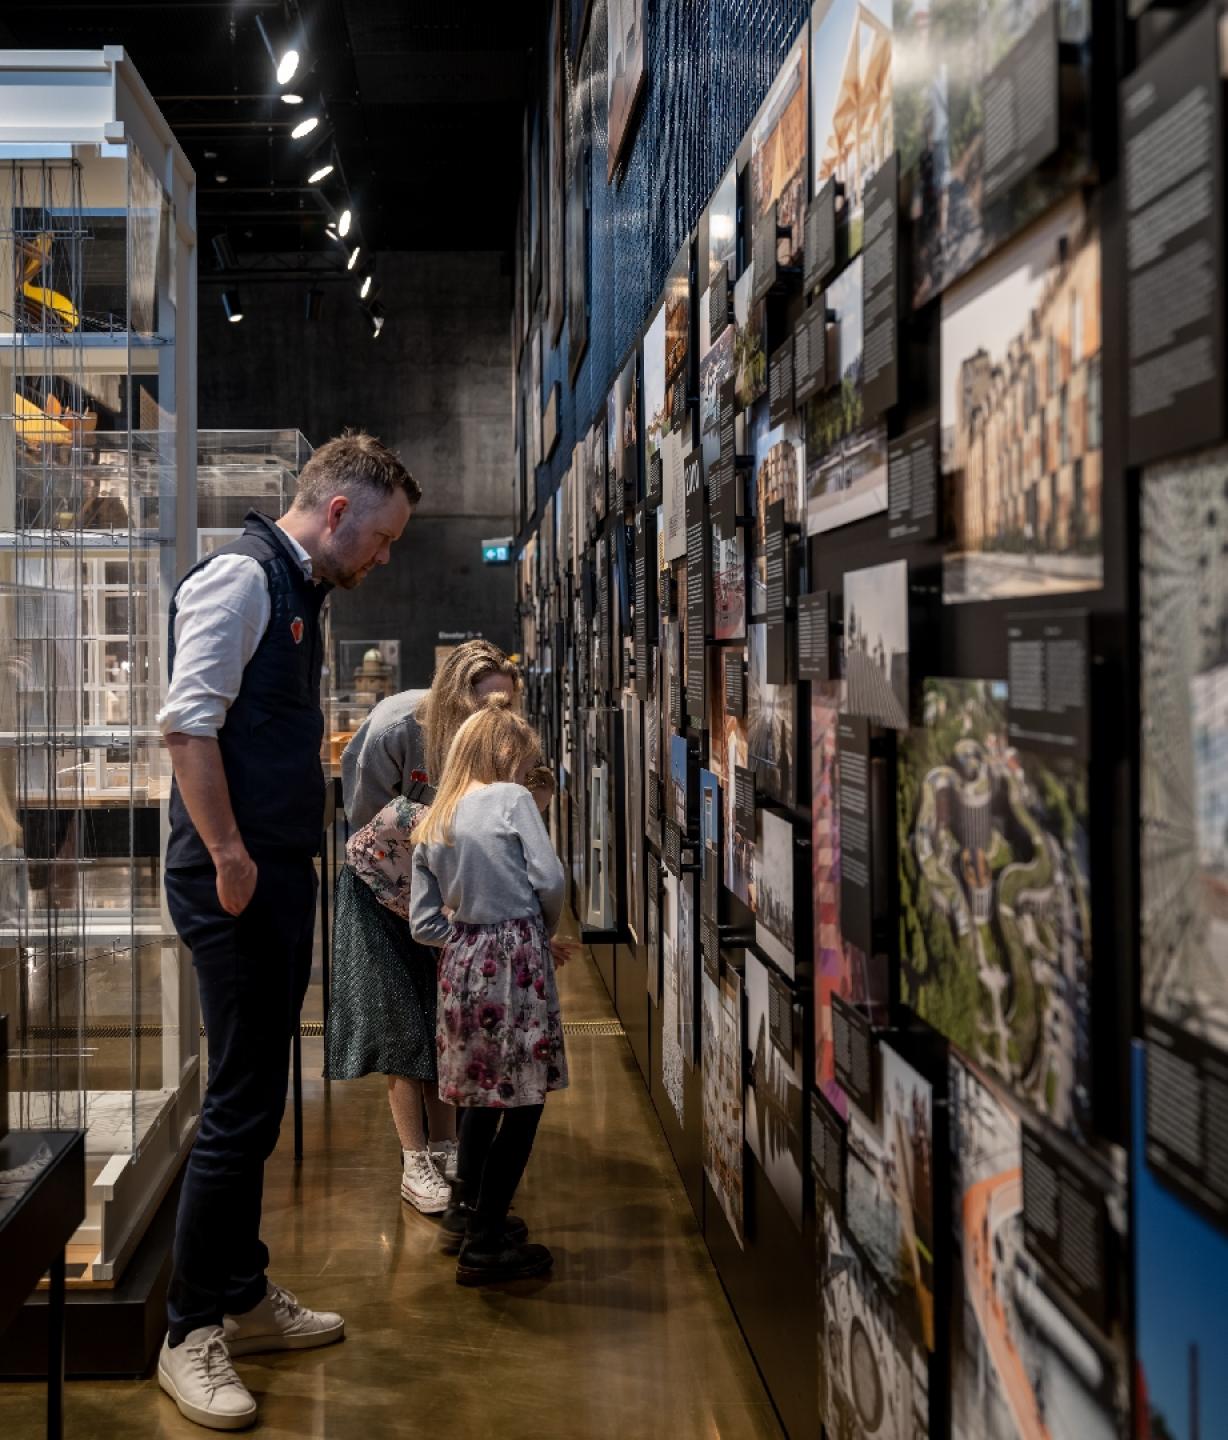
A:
243, 725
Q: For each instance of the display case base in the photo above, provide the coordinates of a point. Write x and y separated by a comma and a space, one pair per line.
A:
111, 1333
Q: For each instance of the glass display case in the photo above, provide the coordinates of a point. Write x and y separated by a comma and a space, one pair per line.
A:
366, 672
97, 460
242, 470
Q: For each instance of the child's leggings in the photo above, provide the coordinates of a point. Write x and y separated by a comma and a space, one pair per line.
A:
495, 1146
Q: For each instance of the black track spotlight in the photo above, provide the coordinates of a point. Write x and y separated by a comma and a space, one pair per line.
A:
232, 305
315, 304
224, 252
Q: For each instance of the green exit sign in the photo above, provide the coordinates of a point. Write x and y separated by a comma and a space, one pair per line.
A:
497, 552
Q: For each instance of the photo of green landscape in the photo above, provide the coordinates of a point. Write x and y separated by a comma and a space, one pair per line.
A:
995, 921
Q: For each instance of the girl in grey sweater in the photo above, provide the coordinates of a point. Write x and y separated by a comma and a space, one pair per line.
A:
488, 889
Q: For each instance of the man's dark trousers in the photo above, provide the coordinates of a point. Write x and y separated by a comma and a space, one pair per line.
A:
252, 973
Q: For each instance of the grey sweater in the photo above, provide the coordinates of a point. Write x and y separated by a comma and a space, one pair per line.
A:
377, 763
500, 866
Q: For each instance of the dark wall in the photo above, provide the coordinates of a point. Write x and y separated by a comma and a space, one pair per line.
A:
434, 387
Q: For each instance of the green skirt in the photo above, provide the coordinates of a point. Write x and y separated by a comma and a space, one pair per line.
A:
381, 1014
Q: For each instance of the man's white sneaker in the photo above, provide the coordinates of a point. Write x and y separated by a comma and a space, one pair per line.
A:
279, 1322
422, 1186
443, 1153
200, 1379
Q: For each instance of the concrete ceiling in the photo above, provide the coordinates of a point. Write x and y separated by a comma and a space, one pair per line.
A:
422, 106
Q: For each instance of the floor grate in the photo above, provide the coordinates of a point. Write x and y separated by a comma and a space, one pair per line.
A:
599, 1029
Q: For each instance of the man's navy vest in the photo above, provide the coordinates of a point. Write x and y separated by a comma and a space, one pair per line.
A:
270, 741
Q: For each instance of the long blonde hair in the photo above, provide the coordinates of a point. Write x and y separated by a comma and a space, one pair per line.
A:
490, 746
451, 699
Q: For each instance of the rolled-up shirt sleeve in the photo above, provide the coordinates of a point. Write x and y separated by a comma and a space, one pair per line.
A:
221, 615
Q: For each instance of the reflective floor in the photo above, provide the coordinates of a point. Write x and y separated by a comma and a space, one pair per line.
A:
631, 1337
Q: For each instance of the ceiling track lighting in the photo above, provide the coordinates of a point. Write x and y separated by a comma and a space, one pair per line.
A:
344, 223
285, 57
290, 98
232, 305
322, 172
353, 260
304, 127
375, 313
366, 287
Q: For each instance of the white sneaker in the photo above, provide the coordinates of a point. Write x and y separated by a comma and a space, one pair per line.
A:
443, 1153
200, 1379
279, 1322
422, 1186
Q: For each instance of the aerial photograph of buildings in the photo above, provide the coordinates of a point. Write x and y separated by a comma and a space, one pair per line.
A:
995, 919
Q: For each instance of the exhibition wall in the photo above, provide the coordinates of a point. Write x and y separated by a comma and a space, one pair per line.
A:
870, 404
434, 386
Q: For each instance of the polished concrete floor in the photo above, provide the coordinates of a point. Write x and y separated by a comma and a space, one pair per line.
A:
630, 1337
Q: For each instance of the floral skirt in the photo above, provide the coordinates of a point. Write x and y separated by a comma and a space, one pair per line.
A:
499, 1035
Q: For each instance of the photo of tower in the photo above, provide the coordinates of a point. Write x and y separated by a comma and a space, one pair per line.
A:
876, 643
773, 1104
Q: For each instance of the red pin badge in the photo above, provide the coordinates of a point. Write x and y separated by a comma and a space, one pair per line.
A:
296, 629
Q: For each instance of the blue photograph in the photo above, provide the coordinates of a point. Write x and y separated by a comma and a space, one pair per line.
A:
680, 799
1181, 1279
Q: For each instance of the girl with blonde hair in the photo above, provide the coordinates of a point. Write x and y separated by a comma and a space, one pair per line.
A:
381, 1016
488, 890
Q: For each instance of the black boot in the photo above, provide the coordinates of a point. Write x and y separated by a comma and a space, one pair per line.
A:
490, 1256
454, 1224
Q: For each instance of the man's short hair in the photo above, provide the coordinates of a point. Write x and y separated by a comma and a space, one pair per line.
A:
352, 464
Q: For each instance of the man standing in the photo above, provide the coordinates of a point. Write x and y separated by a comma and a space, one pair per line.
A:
243, 725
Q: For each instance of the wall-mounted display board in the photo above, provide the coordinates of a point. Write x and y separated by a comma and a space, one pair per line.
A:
917, 649
626, 71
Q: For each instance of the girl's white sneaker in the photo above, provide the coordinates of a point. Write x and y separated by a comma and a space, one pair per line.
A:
443, 1153
422, 1186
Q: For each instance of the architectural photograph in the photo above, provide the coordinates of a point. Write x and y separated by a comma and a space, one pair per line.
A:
1022, 416
1021, 1362
846, 455
995, 899
850, 100
1184, 647
876, 643
773, 1102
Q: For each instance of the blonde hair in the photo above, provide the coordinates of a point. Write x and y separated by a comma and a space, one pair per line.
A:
451, 700
489, 747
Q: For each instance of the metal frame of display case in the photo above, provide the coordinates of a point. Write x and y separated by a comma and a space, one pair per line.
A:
97, 399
